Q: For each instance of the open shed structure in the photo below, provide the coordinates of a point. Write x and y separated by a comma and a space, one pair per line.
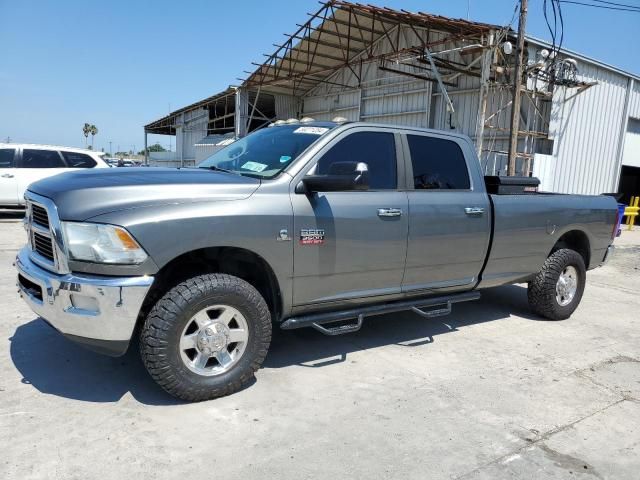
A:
368, 63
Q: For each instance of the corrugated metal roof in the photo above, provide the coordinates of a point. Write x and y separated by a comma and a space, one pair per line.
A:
339, 32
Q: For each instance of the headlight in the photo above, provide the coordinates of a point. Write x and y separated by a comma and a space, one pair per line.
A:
94, 242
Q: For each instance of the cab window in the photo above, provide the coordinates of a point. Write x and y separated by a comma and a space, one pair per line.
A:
32, 158
7, 156
376, 149
438, 164
78, 160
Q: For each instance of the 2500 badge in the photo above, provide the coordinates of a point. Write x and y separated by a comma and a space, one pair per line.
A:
311, 236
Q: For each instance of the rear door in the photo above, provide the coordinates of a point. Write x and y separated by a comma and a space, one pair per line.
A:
347, 244
449, 215
8, 181
35, 164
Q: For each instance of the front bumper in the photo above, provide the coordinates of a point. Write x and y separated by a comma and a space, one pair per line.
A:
98, 312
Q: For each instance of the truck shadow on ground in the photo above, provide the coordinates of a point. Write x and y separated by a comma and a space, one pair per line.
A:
56, 366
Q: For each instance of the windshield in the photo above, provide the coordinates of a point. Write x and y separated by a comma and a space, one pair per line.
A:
266, 152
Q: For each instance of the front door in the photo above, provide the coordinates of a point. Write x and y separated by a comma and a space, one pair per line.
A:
352, 244
8, 181
449, 215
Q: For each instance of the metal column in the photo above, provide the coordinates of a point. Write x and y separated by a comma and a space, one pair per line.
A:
146, 150
242, 112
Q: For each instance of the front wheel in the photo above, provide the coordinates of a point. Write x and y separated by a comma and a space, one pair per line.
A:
557, 289
206, 337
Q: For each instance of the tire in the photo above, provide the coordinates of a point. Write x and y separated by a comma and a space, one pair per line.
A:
180, 309
542, 293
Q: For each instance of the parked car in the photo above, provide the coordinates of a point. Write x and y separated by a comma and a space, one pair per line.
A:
22, 164
315, 224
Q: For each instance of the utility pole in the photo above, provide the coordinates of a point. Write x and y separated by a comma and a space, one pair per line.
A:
515, 105
110, 149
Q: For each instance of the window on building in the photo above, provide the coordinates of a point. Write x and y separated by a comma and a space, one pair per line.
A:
41, 159
376, 149
438, 164
78, 160
6, 157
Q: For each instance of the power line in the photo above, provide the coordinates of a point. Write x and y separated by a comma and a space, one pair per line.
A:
616, 4
601, 6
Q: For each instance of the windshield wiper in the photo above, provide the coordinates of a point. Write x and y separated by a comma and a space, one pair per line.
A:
218, 169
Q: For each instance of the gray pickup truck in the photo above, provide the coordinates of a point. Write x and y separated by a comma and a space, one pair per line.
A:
301, 224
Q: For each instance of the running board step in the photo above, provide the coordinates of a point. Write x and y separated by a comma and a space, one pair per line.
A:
423, 307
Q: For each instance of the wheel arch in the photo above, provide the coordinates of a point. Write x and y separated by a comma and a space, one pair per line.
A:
239, 262
576, 240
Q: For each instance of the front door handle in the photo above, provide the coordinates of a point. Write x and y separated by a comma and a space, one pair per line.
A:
474, 211
389, 212
7, 175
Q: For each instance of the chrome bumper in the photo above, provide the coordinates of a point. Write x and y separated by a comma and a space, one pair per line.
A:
99, 312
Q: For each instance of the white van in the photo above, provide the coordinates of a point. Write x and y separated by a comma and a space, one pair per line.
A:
22, 164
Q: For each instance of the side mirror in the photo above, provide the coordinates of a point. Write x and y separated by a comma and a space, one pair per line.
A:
342, 176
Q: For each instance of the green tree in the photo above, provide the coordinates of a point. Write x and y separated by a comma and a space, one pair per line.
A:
86, 130
93, 130
156, 147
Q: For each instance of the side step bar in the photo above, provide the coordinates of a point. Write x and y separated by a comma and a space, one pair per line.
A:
422, 307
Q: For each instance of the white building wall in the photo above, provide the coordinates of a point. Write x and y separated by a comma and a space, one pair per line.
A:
586, 129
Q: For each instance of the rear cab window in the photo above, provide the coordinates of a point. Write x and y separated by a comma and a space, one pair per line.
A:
78, 160
33, 158
7, 157
438, 164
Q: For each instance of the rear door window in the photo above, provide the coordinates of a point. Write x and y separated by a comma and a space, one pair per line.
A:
7, 157
376, 149
78, 160
438, 164
32, 158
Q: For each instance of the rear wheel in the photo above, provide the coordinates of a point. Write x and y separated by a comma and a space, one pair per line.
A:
206, 337
557, 289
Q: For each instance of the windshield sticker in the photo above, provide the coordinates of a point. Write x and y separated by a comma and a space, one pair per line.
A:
311, 130
254, 166
285, 158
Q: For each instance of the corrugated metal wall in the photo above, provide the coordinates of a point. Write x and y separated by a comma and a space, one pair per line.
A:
634, 102
191, 128
382, 96
586, 129
287, 106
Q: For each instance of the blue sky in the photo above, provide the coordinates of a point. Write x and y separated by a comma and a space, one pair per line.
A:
120, 64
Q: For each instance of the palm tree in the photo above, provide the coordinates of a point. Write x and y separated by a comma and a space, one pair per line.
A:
93, 130
86, 130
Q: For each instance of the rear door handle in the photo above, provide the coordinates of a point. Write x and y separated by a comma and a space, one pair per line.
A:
7, 175
474, 211
389, 212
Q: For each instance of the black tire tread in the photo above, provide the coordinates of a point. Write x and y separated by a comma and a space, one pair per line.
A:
154, 343
542, 289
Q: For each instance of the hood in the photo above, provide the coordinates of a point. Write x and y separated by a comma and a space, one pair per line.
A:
84, 194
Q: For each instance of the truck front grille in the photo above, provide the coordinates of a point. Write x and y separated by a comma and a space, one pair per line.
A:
44, 233
44, 246
39, 215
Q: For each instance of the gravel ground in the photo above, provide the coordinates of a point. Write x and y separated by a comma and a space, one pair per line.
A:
489, 392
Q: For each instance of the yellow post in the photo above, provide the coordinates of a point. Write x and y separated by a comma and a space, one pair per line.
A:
631, 212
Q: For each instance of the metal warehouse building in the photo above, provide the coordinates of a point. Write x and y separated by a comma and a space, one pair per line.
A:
579, 118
